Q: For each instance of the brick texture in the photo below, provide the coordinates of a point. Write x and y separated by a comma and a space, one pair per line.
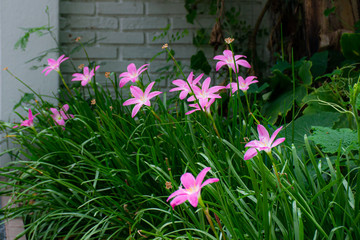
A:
77, 8
125, 29
140, 23
126, 8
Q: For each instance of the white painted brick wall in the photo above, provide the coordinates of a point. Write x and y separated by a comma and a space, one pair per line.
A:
142, 23
77, 8
124, 30
84, 22
125, 8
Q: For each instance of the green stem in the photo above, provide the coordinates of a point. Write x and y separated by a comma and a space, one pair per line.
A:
208, 216
87, 56
274, 166
247, 101
155, 115
25, 85
214, 125
66, 86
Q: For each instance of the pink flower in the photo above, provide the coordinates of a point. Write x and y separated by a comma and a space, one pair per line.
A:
205, 106
183, 86
227, 59
192, 188
205, 92
243, 84
54, 64
265, 143
28, 122
60, 116
132, 74
140, 97
86, 77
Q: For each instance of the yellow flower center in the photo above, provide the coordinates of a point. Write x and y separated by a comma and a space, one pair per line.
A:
192, 189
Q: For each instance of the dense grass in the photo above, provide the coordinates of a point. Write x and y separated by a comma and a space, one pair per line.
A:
104, 175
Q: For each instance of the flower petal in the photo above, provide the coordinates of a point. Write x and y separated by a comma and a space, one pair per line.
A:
183, 94
148, 88
65, 107
142, 69
136, 109
84, 82
176, 193
250, 153
206, 84
187, 180
220, 58
131, 68
273, 136
191, 111
228, 54
136, 92
123, 81
153, 94
197, 79
243, 63
178, 200
254, 143
208, 181
30, 115
219, 65
263, 133
191, 98
131, 101
193, 199
277, 142
54, 111
179, 82
200, 177
190, 77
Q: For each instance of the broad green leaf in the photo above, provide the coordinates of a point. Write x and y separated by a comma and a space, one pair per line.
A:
25, 99
305, 74
316, 100
329, 139
319, 63
279, 78
282, 104
281, 66
350, 45
336, 72
304, 124
199, 62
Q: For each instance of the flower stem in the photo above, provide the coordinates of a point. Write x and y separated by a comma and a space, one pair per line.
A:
155, 115
208, 216
247, 101
25, 85
214, 125
274, 166
66, 86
